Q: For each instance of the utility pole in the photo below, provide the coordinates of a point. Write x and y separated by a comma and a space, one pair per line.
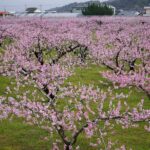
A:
41, 9
25, 6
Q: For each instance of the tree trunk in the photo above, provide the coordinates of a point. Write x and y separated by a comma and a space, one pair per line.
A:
67, 147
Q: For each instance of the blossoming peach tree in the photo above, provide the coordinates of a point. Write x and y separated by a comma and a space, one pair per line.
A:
124, 50
70, 110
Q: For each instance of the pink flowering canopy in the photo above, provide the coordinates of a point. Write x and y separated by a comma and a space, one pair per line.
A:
44, 53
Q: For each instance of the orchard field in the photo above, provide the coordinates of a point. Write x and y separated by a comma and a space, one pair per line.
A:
75, 84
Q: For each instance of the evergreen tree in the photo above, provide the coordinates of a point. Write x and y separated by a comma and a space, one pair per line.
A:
97, 10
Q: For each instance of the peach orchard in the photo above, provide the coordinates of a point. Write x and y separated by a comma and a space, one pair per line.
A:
43, 54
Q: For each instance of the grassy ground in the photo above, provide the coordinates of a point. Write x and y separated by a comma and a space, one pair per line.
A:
16, 135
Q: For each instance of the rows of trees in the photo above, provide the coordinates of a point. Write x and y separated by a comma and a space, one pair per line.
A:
42, 55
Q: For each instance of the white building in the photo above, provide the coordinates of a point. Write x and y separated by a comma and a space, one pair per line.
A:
37, 11
147, 11
130, 13
78, 9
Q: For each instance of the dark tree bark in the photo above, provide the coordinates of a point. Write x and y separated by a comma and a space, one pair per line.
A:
62, 53
132, 65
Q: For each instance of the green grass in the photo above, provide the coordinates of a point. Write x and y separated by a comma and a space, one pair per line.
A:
16, 135
91, 76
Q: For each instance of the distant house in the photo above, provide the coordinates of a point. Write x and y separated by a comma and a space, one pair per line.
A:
37, 11
147, 11
31, 10
50, 11
12, 13
78, 9
4, 13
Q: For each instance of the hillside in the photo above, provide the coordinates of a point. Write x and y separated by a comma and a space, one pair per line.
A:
69, 7
66, 8
129, 4
119, 4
